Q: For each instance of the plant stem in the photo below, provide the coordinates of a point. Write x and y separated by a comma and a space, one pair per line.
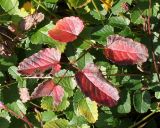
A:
144, 119
24, 118
149, 33
94, 4
41, 5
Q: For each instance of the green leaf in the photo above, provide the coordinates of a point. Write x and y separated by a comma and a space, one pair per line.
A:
85, 107
125, 102
18, 107
78, 3
59, 123
48, 115
136, 17
47, 103
51, 1
41, 37
4, 114
13, 72
10, 6
141, 101
67, 82
117, 8
105, 31
157, 94
83, 61
119, 21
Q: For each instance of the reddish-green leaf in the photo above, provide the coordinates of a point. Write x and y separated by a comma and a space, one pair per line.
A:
125, 51
48, 88
39, 62
67, 29
94, 85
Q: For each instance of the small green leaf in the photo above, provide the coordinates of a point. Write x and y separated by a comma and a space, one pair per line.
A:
125, 102
141, 101
10, 6
18, 107
51, 1
41, 37
78, 3
13, 72
88, 109
47, 103
67, 82
119, 21
48, 115
136, 17
4, 114
157, 94
83, 61
105, 31
59, 123
4, 123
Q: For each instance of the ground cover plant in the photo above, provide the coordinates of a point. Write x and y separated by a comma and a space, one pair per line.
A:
79, 63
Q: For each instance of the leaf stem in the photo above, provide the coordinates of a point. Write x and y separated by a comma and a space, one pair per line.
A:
41, 5
94, 4
144, 119
24, 118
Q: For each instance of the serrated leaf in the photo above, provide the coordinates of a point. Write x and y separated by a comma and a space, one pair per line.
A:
18, 107
41, 37
14, 73
93, 85
48, 115
137, 17
119, 21
59, 123
157, 94
68, 82
79, 3
39, 62
48, 88
105, 31
5, 114
125, 102
141, 101
10, 6
47, 104
84, 60
125, 51
88, 109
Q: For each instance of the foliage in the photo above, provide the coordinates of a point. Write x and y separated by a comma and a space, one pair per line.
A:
79, 63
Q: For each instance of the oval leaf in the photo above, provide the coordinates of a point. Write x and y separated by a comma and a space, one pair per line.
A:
67, 29
125, 51
142, 101
39, 62
48, 88
93, 84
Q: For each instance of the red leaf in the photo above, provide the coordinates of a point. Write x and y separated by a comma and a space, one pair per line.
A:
48, 88
67, 29
125, 51
94, 85
40, 62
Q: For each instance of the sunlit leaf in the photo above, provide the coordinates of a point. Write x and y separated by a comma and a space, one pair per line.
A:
67, 29
48, 88
93, 85
125, 51
79, 3
39, 62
